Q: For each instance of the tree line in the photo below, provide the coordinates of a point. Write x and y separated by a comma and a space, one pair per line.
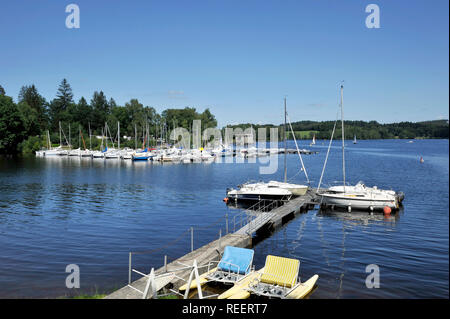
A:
24, 125
360, 129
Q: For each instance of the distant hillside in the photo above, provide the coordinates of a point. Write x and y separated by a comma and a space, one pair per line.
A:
362, 129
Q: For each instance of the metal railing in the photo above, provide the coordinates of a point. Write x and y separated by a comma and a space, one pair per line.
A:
189, 231
249, 215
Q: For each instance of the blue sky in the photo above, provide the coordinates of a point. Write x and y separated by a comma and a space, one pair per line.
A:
239, 58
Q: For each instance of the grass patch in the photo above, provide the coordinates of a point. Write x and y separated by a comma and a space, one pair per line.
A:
169, 297
302, 134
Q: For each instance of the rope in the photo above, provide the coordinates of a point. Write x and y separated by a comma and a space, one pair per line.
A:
171, 243
299, 155
162, 247
290, 179
209, 226
328, 152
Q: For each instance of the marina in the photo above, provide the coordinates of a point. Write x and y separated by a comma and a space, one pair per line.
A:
205, 150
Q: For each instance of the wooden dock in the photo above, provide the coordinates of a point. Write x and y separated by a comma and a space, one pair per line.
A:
275, 217
212, 251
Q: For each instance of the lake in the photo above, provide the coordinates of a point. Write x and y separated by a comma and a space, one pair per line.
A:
92, 213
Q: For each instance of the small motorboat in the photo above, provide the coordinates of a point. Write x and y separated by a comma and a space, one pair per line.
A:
141, 156
258, 192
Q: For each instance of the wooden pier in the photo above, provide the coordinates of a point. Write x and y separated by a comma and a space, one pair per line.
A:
257, 223
275, 217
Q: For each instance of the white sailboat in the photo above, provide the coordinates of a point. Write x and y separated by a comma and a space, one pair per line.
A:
111, 153
313, 142
354, 139
359, 196
41, 152
58, 151
101, 152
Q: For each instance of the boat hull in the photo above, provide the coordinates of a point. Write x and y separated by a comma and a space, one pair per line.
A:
140, 158
298, 191
255, 197
238, 291
303, 289
355, 202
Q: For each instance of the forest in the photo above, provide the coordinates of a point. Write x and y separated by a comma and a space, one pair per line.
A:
24, 125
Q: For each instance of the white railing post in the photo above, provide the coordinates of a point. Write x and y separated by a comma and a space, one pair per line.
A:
129, 268
226, 224
192, 238
165, 263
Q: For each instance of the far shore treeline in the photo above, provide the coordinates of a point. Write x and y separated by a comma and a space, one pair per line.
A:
24, 125
362, 130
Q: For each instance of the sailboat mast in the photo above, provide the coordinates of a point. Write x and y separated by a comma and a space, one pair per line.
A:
285, 150
90, 136
106, 134
60, 137
343, 134
118, 135
101, 147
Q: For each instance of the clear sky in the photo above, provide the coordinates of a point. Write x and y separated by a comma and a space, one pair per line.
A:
239, 58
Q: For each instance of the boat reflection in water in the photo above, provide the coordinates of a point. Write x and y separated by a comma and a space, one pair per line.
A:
360, 217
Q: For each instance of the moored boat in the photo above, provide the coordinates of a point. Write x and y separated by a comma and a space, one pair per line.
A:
357, 197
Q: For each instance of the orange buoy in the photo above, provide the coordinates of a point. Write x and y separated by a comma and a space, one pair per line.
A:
225, 199
387, 210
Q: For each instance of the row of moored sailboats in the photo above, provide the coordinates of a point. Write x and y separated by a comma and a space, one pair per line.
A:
168, 154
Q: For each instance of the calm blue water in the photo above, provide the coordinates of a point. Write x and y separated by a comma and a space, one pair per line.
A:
55, 212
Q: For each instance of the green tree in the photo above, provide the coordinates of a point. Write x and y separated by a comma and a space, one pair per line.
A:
30, 96
30, 119
59, 105
208, 119
11, 126
84, 113
100, 108
2, 90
